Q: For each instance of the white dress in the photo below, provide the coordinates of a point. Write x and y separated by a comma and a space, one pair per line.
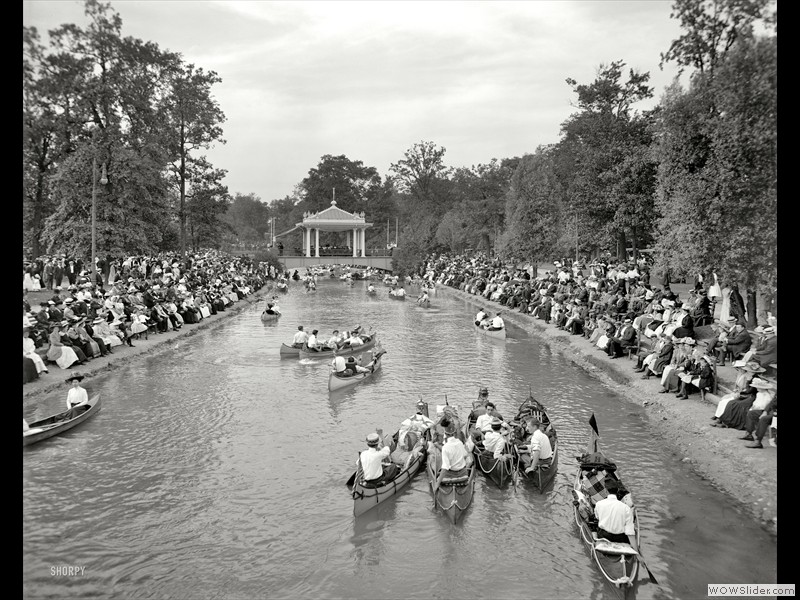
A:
29, 350
725, 311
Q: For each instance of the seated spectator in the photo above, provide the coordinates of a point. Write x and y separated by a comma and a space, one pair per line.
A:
655, 361
758, 421
699, 377
746, 373
736, 340
624, 338
683, 353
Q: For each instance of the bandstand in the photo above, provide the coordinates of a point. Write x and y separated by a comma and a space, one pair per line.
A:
334, 219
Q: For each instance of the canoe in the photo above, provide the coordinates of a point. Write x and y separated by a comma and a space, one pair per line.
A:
337, 382
499, 470
618, 562
289, 351
366, 496
499, 334
396, 297
454, 495
58, 423
327, 353
266, 317
425, 304
544, 474
372, 292
282, 287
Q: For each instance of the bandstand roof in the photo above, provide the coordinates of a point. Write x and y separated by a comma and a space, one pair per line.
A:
334, 218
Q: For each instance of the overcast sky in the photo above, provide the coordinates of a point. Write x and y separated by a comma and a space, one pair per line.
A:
369, 79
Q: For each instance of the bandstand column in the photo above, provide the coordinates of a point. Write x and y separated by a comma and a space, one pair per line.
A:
316, 243
355, 242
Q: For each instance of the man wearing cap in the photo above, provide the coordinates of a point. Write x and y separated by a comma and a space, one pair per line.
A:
615, 518
480, 317
371, 461
494, 441
767, 350
455, 457
737, 341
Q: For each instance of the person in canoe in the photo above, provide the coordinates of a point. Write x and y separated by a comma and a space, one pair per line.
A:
299, 338
481, 317
423, 297
272, 307
455, 456
414, 427
312, 342
375, 461
497, 323
400, 292
334, 341
494, 441
76, 396
483, 423
538, 450
371, 288
615, 516
353, 340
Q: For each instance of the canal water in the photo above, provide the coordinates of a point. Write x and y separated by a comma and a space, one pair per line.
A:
217, 469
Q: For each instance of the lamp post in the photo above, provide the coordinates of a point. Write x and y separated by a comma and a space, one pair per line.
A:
103, 181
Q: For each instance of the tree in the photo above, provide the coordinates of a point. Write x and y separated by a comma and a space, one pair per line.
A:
193, 121
607, 181
712, 27
356, 186
532, 209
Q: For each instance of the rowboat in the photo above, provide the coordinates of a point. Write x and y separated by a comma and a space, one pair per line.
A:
59, 423
496, 334
499, 470
328, 353
337, 381
267, 317
288, 351
453, 495
366, 496
544, 473
618, 562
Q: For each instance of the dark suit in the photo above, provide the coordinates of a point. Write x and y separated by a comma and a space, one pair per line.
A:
625, 338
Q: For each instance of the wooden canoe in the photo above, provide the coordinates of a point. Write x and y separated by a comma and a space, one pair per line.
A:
618, 562
327, 353
282, 287
499, 470
454, 495
396, 297
544, 473
495, 334
424, 304
267, 317
366, 497
289, 351
58, 423
337, 382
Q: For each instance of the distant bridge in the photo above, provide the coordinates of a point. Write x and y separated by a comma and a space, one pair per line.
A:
302, 262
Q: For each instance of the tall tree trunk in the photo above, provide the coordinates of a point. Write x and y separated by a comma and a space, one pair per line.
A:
622, 244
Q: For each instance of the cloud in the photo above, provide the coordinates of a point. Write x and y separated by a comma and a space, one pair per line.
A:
369, 79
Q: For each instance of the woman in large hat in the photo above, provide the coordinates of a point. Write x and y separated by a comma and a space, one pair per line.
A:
63, 355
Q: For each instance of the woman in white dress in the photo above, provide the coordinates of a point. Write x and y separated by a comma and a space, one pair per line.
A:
725, 310
103, 330
29, 350
64, 356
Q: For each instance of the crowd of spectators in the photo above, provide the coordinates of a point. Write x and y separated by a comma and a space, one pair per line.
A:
129, 297
615, 306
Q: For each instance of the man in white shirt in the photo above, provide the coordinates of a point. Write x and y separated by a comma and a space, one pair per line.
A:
539, 446
494, 441
455, 457
497, 323
312, 342
484, 422
333, 341
480, 317
400, 292
300, 337
615, 518
371, 460
417, 424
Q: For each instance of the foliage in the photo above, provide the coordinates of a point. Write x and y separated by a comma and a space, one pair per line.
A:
356, 186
